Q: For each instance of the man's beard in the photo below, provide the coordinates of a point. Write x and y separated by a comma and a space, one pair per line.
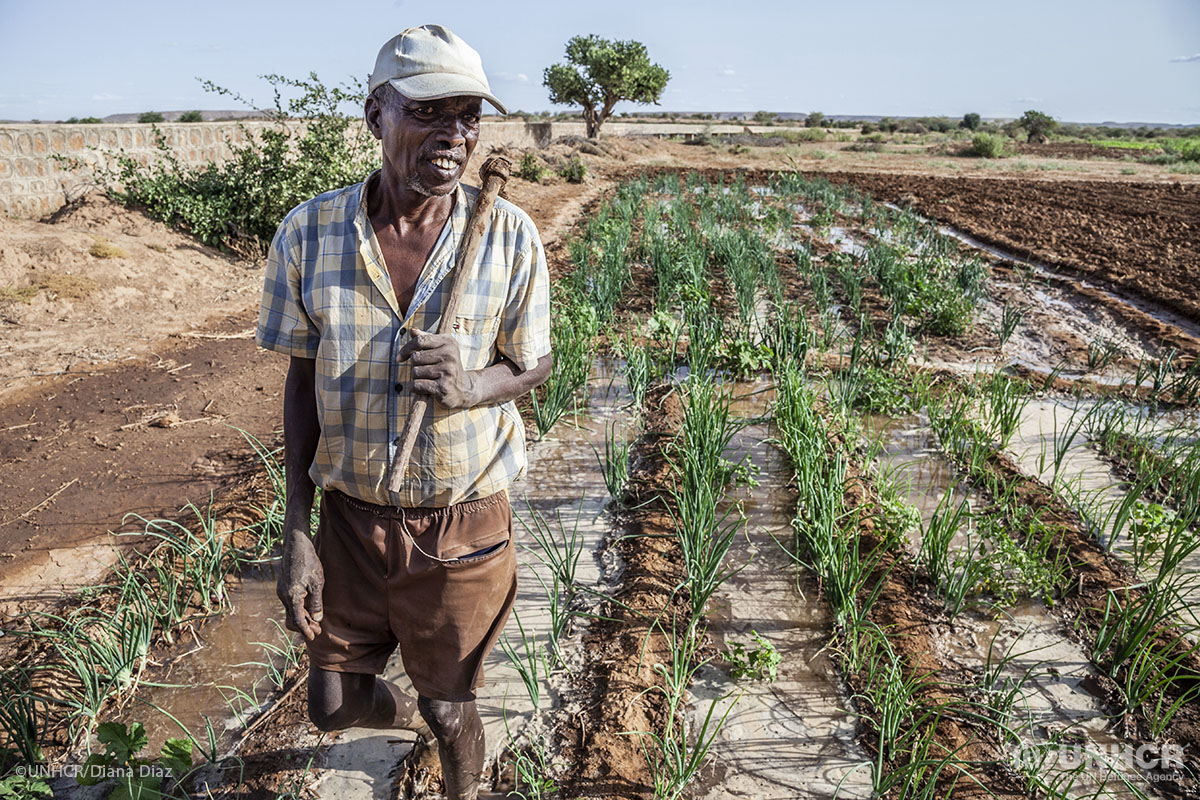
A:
414, 183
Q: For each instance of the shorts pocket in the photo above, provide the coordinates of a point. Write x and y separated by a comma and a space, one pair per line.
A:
484, 554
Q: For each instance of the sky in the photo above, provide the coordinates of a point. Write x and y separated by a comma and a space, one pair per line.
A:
1082, 61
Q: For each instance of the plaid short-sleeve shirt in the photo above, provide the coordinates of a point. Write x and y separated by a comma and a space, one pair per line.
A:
328, 296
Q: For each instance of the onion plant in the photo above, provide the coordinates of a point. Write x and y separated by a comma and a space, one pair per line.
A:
673, 756
705, 534
23, 719
1011, 317
1004, 403
573, 338
614, 463
202, 558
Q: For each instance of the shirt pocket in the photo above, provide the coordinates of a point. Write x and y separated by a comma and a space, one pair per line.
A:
476, 338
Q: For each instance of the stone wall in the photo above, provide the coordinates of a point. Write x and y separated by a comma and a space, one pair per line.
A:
33, 183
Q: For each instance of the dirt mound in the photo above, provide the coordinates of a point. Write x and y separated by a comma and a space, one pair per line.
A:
96, 282
96, 211
1074, 150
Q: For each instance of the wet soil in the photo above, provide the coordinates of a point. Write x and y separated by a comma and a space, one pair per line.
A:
1093, 573
1140, 238
622, 646
909, 612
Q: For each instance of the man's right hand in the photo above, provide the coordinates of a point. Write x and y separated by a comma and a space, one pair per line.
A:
299, 585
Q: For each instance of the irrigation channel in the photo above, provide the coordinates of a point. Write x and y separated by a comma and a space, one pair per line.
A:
826, 502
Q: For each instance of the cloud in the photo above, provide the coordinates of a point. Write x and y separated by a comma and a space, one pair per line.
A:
107, 96
509, 77
727, 72
1185, 59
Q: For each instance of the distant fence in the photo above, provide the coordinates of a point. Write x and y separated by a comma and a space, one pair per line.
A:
32, 184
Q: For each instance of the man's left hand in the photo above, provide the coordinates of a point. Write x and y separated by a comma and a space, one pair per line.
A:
437, 371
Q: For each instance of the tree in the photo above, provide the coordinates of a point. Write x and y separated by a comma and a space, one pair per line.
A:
150, 116
191, 116
814, 120
764, 117
599, 73
970, 121
1037, 125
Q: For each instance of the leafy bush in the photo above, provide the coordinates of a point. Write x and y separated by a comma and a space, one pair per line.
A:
191, 116
986, 145
802, 134
1037, 125
150, 116
137, 776
970, 121
238, 203
84, 121
574, 170
531, 168
1188, 150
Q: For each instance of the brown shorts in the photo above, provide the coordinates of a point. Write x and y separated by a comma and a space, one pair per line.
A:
381, 591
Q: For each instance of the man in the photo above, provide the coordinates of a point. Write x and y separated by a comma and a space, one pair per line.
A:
356, 279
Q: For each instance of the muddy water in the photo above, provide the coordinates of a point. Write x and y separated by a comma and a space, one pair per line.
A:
1055, 717
1082, 472
215, 676
1052, 671
1189, 326
793, 737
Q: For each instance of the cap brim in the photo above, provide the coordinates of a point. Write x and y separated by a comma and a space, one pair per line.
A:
445, 84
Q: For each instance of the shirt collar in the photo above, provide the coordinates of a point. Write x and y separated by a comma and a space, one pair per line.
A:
441, 258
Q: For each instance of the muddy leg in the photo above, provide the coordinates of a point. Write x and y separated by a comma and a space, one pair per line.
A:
459, 732
339, 700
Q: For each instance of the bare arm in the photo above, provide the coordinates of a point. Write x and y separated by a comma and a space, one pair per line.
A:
300, 578
438, 374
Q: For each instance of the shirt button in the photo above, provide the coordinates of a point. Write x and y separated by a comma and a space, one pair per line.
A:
399, 387
403, 331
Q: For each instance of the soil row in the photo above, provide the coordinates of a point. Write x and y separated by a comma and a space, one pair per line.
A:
624, 643
1141, 238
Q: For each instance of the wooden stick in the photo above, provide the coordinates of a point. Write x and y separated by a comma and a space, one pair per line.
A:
494, 173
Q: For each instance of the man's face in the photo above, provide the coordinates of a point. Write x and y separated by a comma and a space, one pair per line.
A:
426, 143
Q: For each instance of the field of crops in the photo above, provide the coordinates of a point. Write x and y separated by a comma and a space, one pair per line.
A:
825, 501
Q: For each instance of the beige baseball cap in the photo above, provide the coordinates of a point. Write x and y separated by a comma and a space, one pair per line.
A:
429, 63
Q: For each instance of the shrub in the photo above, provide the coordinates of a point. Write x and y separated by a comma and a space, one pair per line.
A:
986, 145
84, 121
574, 170
239, 203
531, 168
150, 116
1189, 150
106, 249
970, 121
1037, 125
814, 120
191, 116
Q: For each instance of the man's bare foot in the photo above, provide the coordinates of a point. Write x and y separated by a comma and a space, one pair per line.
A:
419, 773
